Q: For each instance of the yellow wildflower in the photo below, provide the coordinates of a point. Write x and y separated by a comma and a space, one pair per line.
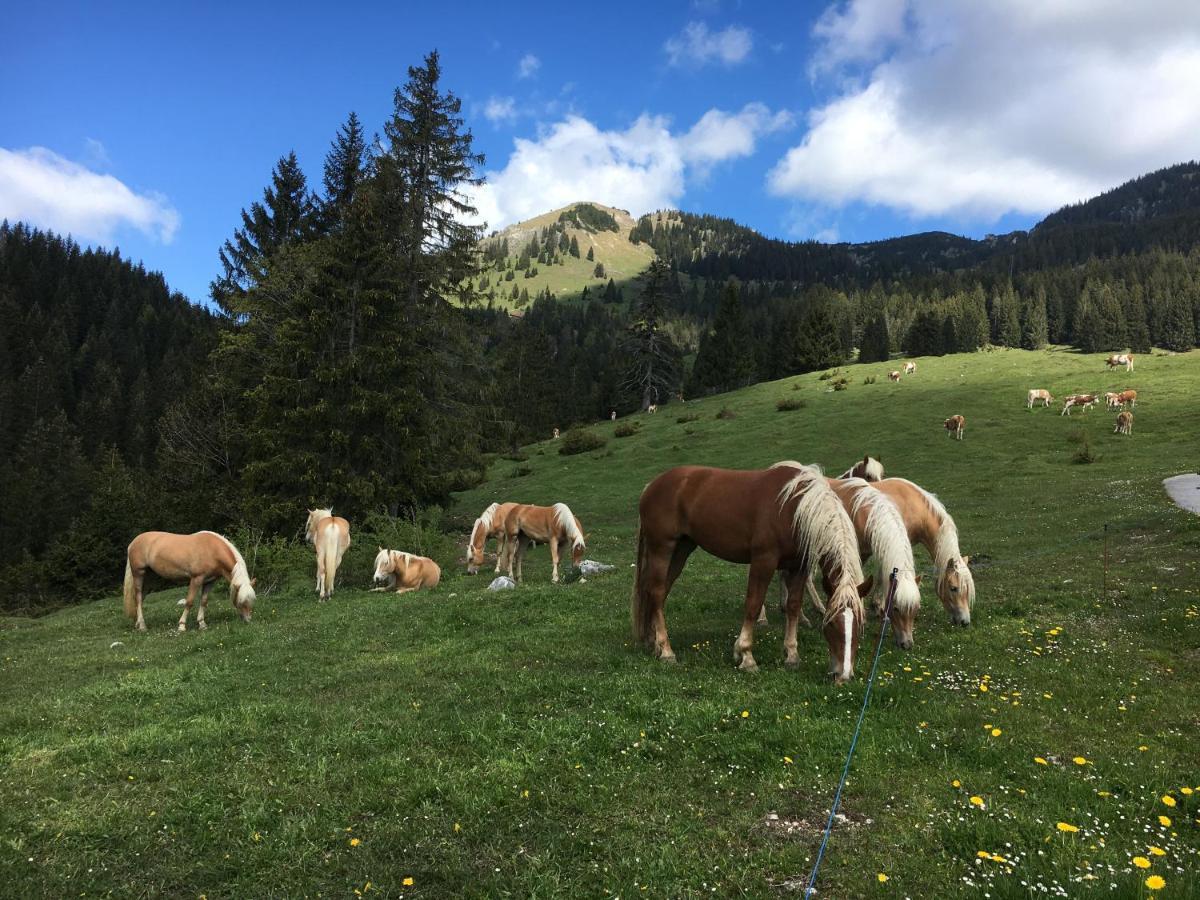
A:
354, 842
745, 713
996, 732
1080, 761
1157, 851
956, 783
977, 801
882, 878
1155, 883
1168, 800
408, 882
1164, 821
787, 760
983, 854
1067, 827
1143, 748
1186, 791
1040, 761
1141, 862
457, 828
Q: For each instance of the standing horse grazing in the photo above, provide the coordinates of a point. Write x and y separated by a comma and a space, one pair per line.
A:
1124, 423
910, 368
489, 524
782, 518
930, 524
1038, 395
1120, 359
868, 469
551, 525
403, 572
955, 426
330, 536
200, 559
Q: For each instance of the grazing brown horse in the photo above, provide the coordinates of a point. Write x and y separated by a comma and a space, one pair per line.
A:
930, 524
403, 572
330, 536
490, 524
200, 559
868, 469
955, 426
551, 525
1124, 423
1120, 359
785, 518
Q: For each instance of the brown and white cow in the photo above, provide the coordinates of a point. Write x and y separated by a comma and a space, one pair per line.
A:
910, 368
1082, 400
893, 376
1038, 395
1120, 359
1124, 423
1127, 397
955, 426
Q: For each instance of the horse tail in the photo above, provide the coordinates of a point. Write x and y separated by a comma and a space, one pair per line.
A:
329, 552
130, 591
639, 609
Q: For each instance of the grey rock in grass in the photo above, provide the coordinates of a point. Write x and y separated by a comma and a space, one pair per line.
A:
502, 583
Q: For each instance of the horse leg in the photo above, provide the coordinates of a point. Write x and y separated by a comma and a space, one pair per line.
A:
523, 543
320, 572
138, 579
663, 565
793, 584
501, 550
510, 550
194, 585
761, 571
203, 607
554, 558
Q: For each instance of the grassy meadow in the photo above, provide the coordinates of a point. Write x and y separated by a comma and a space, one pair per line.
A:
514, 744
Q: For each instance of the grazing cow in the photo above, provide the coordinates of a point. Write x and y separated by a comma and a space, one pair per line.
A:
1038, 395
652, 408
1111, 400
910, 368
1082, 400
1129, 397
893, 376
1120, 359
1124, 423
955, 426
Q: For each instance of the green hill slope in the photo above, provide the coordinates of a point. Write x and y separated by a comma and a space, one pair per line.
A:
514, 743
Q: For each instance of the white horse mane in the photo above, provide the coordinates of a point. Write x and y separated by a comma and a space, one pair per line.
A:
566, 520
239, 578
824, 531
946, 549
888, 537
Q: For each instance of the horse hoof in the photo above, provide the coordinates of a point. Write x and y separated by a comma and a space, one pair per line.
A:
182, 629
203, 626
791, 664
669, 660
748, 665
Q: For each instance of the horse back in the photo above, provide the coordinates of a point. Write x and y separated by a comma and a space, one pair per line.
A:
181, 555
919, 519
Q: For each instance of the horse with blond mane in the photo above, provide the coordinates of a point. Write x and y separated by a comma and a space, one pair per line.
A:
402, 572
929, 524
490, 524
868, 469
330, 536
200, 559
553, 525
785, 518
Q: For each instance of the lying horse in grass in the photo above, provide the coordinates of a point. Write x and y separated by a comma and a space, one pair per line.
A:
330, 536
929, 523
868, 469
553, 525
403, 572
490, 524
200, 559
785, 518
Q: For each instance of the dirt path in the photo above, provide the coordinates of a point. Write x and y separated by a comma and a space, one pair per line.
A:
1185, 491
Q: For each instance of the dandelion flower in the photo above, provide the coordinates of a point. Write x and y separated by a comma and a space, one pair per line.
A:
1168, 800
1067, 827
457, 828
983, 854
1164, 821
1157, 851
1141, 862
1040, 761
996, 732
956, 783
1155, 883
745, 713
983, 688
787, 760
1080, 761
408, 882
1186, 791
882, 878
354, 842
1143, 748
977, 801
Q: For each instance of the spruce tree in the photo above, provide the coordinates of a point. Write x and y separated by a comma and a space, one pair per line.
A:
725, 359
591, 254
574, 247
876, 340
598, 272
1033, 321
651, 357
345, 169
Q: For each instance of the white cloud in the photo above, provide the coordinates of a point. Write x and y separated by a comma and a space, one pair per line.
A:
40, 187
697, 46
994, 106
641, 168
500, 109
528, 66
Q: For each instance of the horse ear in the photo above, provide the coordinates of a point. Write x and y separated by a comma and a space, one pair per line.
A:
918, 580
254, 581
380, 548
866, 458
866, 587
966, 560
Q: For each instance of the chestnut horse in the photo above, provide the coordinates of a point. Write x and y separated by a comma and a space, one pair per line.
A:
330, 536
489, 524
403, 572
881, 534
551, 525
930, 524
868, 469
782, 518
200, 559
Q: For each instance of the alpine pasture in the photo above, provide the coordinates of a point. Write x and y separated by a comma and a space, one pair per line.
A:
456, 742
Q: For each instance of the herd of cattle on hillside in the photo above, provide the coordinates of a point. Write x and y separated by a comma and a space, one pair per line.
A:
789, 519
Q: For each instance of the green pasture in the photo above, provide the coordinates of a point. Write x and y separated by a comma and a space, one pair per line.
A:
461, 743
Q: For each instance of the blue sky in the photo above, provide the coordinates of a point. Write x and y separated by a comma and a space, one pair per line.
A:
148, 126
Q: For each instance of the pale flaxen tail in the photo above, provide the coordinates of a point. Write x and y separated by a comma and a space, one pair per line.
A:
329, 552
130, 592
